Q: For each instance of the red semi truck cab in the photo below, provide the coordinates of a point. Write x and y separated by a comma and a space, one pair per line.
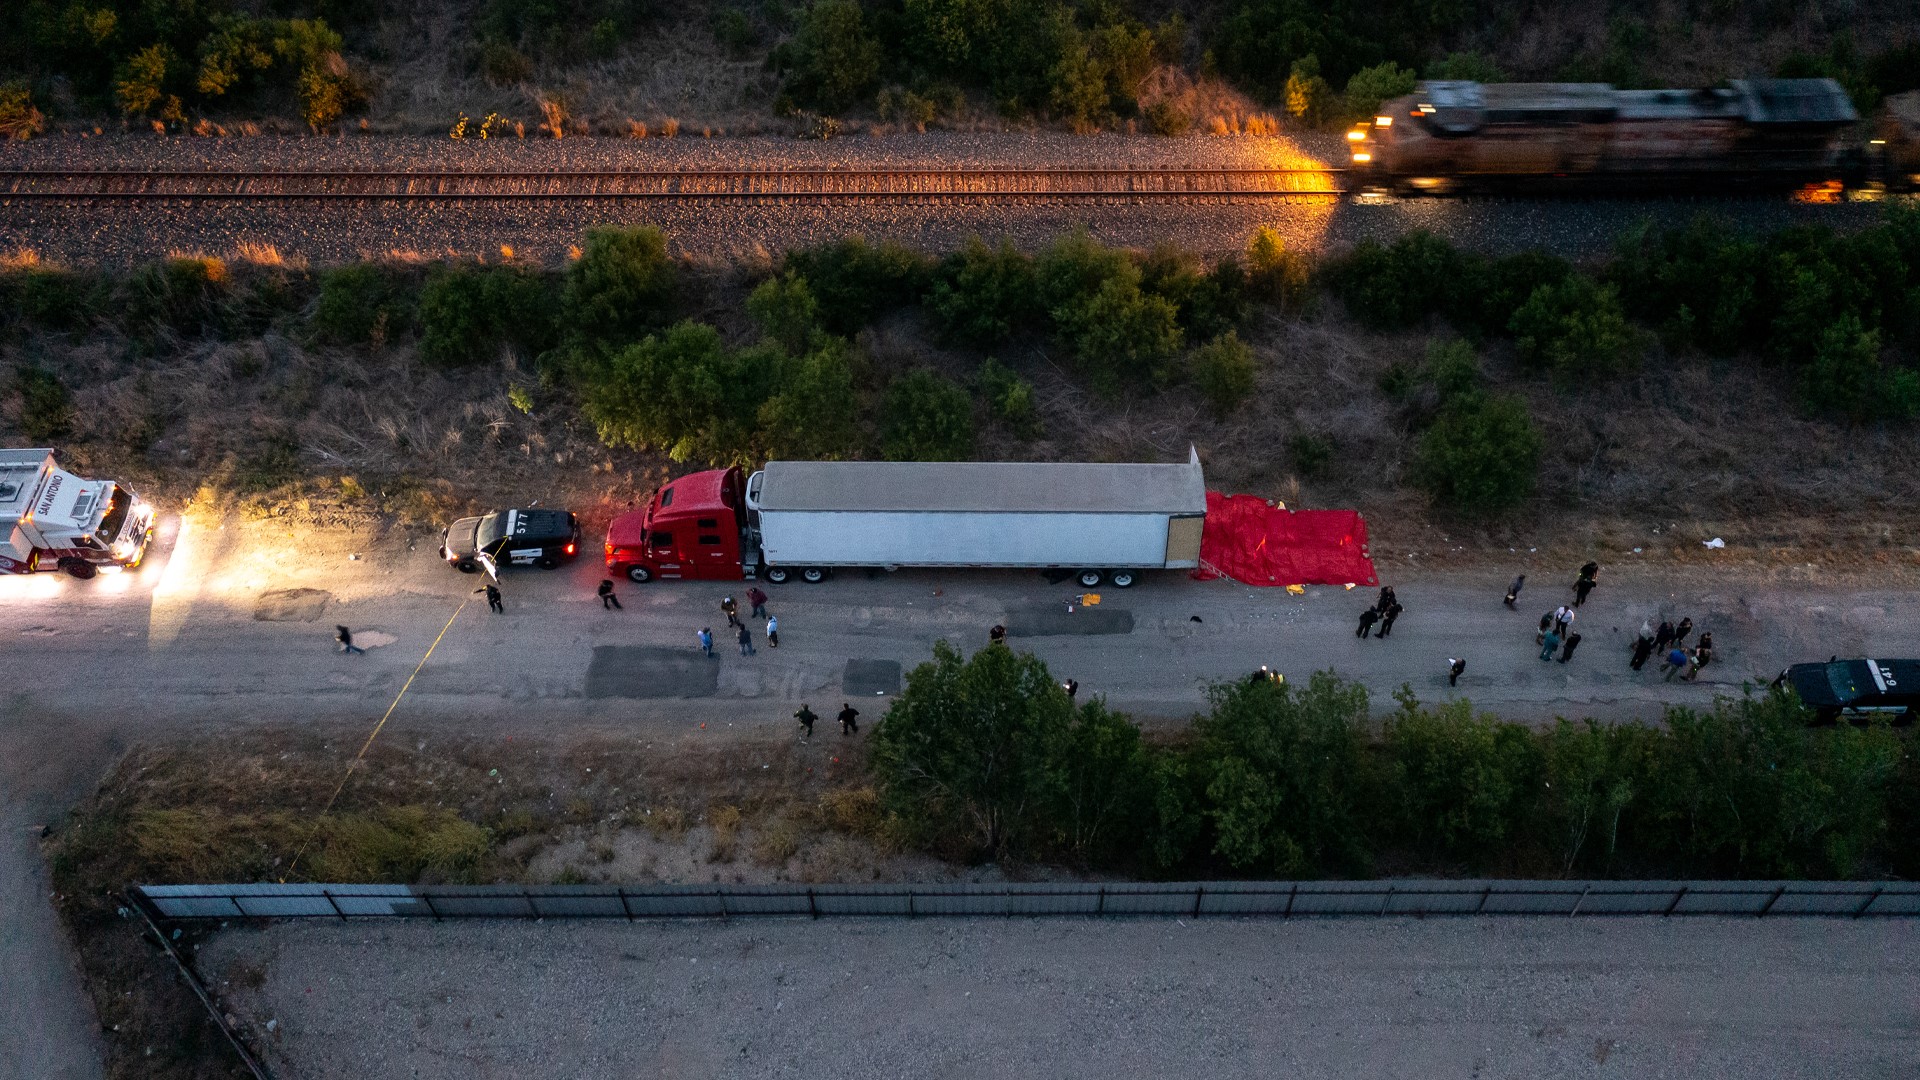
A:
695, 527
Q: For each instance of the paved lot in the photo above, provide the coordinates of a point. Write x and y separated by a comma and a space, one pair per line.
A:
1637, 998
233, 625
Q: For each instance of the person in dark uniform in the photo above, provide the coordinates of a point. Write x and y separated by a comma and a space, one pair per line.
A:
1642, 652
608, 601
1566, 651
345, 637
1367, 619
1386, 598
1513, 590
1387, 615
493, 597
731, 610
997, 635
1072, 687
1455, 668
849, 719
806, 718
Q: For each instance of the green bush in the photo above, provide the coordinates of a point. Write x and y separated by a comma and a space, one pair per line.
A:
811, 414
982, 296
1312, 454
144, 82
735, 33
54, 299
1577, 331
1275, 274
1454, 369
925, 417
1165, 118
1009, 398
681, 391
1224, 372
467, 314
1398, 286
621, 286
46, 408
1593, 773
786, 311
833, 62
856, 282
1118, 334
178, 294
1845, 376
1464, 783
1075, 267
1370, 86
362, 304
1481, 454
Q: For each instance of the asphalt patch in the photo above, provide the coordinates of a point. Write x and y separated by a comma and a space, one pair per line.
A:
1058, 622
648, 671
291, 605
867, 678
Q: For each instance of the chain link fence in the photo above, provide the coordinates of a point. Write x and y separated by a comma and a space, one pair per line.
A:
1285, 899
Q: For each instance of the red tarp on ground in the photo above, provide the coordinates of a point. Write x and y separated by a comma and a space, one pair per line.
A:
1256, 543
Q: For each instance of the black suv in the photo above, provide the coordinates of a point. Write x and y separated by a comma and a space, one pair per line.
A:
1858, 689
543, 538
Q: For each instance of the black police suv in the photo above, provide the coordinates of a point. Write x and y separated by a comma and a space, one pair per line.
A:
1858, 690
543, 538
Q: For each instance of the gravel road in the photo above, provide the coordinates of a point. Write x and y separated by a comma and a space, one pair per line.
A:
119, 233
1152, 998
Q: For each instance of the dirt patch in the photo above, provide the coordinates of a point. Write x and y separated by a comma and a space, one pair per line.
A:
291, 605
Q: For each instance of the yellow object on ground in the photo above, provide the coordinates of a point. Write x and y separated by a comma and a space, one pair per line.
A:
1090, 599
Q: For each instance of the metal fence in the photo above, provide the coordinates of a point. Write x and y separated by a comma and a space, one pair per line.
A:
1286, 899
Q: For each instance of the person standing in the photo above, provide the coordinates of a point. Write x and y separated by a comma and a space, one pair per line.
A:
1566, 651
1386, 598
773, 632
345, 637
1562, 620
1702, 655
1580, 590
731, 610
608, 601
1387, 615
493, 597
705, 637
1549, 644
1680, 632
1642, 651
1663, 637
746, 641
1367, 619
849, 719
1072, 688
1591, 571
759, 601
806, 718
1546, 625
1455, 668
1513, 590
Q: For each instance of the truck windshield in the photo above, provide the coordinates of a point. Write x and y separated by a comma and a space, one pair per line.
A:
492, 527
119, 504
1848, 679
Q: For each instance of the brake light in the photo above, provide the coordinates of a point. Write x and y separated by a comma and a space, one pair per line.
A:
569, 549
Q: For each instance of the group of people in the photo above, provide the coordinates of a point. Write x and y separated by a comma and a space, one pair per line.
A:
849, 720
744, 637
1669, 642
1382, 614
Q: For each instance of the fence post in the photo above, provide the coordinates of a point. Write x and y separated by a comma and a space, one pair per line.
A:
1770, 902
1677, 897
427, 898
1199, 892
1862, 909
1576, 903
328, 893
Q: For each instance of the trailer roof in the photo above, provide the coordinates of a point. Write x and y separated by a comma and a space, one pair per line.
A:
19, 480
985, 487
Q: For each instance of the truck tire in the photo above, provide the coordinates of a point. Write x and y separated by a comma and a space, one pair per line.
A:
467, 566
777, 575
813, 575
1091, 578
548, 562
1123, 579
78, 568
639, 575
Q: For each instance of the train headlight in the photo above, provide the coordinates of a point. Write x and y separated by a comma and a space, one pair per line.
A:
1362, 158
1356, 134
1383, 121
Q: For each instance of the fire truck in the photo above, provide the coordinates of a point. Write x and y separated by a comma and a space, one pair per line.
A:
51, 519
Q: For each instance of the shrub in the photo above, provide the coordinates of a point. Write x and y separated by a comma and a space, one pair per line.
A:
1371, 86
810, 417
1845, 376
735, 33
1491, 290
984, 295
926, 418
467, 313
1075, 267
1308, 96
142, 85
1219, 302
238, 47
1224, 372
1009, 398
681, 391
1480, 455
1311, 454
1454, 370
46, 408
54, 299
503, 65
1391, 288
622, 284
1464, 782
786, 311
178, 294
1166, 118
1576, 330
321, 81
1118, 334
360, 304
833, 61
19, 119
856, 282
906, 107
1275, 274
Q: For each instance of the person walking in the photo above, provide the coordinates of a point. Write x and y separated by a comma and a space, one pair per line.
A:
1642, 651
1367, 619
608, 601
1072, 688
773, 632
1663, 637
731, 610
1390, 613
806, 718
745, 639
759, 601
849, 719
1580, 590
1566, 651
1591, 571
1513, 590
705, 637
1677, 660
493, 597
1680, 632
1562, 619
345, 637
1549, 644
1386, 598
1455, 668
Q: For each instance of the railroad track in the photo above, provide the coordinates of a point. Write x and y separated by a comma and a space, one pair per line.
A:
740, 184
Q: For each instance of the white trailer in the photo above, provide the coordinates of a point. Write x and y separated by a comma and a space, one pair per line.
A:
1101, 521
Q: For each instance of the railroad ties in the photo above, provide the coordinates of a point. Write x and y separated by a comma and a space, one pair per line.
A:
742, 184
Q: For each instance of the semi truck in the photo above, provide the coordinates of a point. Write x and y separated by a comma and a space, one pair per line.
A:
804, 519
51, 519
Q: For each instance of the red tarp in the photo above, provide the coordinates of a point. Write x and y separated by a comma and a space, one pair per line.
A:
1257, 543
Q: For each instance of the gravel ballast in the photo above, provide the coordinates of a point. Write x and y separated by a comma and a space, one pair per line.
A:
119, 232
1070, 998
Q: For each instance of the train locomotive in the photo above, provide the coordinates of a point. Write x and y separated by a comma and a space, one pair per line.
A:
1453, 136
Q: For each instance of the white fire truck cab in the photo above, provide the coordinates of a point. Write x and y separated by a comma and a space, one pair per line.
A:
51, 519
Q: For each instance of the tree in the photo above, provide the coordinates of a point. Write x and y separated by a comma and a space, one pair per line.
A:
621, 285
1223, 370
1592, 776
1274, 765
361, 303
1577, 330
142, 85
1275, 274
1009, 397
1118, 334
1371, 86
1480, 455
1845, 376
680, 391
1307, 94
926, 417
467, 313
833, 61
811, 416
856, 282
786, 311
984, 295
1464, 780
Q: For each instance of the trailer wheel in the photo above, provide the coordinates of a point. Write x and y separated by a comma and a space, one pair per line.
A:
813, 575
1123, 579
639, 574
1090, 578
78, 568
777, 575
